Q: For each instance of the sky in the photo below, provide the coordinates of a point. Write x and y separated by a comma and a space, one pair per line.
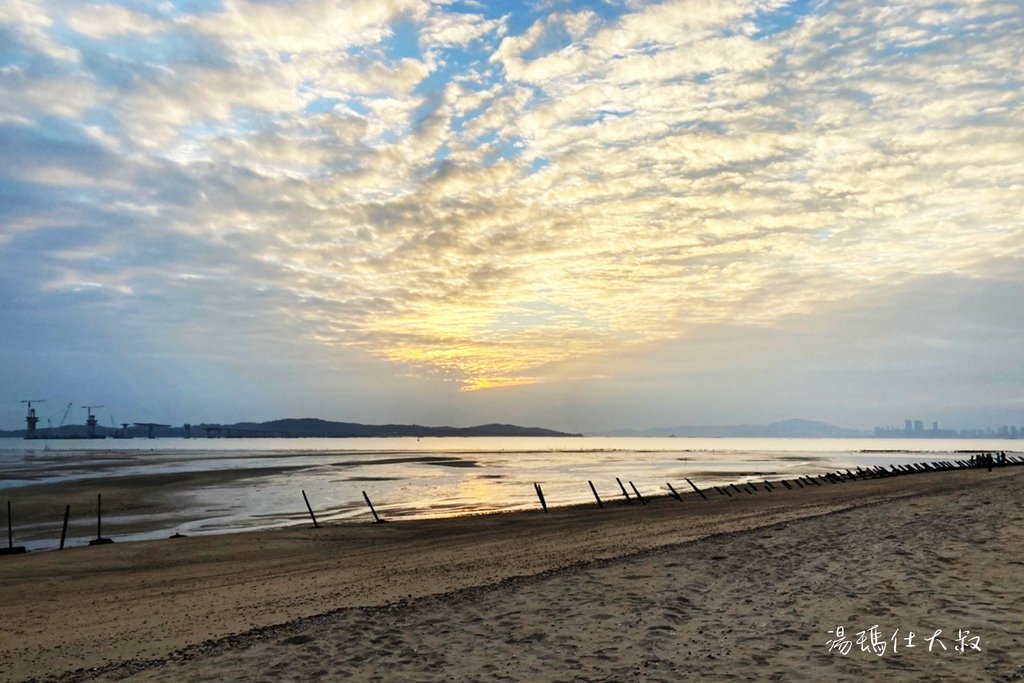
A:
578, 215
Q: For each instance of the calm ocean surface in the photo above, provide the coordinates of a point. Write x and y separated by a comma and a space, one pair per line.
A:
195, 486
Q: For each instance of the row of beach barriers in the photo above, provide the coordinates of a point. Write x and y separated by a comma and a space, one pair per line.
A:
1000, 459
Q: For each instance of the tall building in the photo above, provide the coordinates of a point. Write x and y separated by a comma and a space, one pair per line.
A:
918, 426
908, 426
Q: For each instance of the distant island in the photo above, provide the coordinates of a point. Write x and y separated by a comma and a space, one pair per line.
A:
286, 428
315, 427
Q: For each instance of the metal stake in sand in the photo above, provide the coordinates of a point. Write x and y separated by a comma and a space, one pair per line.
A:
540, 494
599, 503
696, 489
376, 519
633, 486
310, 508
674, 493
11, 549
64, 529
628, 499
99, 540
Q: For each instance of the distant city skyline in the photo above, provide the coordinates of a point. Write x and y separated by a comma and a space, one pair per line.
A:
580, 214
917, 428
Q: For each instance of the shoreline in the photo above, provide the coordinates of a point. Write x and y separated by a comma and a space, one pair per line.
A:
151, 598
152, 495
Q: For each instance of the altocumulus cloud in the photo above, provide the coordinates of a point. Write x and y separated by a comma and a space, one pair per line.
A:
500, 197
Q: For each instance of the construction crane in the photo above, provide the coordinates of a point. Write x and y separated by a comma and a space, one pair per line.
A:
31, 420
65, 418
49, 421
90, 422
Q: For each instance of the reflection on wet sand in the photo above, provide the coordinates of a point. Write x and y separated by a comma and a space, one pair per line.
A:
156, 493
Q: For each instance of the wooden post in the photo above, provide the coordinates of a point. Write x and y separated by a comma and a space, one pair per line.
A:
599, 503
768, 485
696, 489
376, 518
628, 499
99, 540
735, 488
633, 486
540, 494
64, 529
786, 484
797, 480
11, 549
310, 508
674, 493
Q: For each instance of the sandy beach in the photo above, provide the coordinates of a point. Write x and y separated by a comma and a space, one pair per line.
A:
746, 587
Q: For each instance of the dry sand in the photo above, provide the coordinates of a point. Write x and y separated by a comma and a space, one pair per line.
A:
732, 588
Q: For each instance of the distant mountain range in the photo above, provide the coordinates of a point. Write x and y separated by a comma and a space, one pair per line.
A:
795, 428
294, 427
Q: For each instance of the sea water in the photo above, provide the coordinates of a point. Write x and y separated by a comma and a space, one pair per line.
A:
226, 485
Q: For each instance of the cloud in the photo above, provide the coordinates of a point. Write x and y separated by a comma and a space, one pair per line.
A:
106, 21
497, 199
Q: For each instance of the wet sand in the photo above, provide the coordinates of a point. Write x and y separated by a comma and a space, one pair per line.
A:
131, 503
730, 588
